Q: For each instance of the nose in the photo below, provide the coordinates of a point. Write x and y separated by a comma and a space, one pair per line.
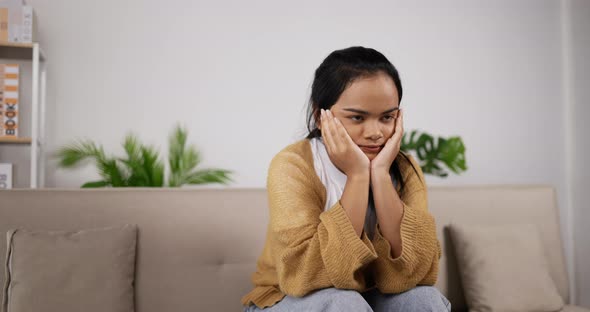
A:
373, 131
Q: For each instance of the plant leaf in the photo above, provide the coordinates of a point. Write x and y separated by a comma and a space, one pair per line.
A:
95, 184
134, 170
112, 172
73, 154
209, 176
152, 166
177, 142
431, 152
452, 153
181, 159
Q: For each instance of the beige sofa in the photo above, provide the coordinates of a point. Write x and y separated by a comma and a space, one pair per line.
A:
198, 248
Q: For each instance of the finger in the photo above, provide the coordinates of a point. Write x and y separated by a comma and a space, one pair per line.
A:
324, 123
339, 134
327, 132
401, 123
399, 127
333, 130
343, 134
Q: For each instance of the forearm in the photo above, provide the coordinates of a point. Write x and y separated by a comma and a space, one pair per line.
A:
355, 199
389, 208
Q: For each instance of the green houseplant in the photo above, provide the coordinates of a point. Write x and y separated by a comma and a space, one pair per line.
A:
433, 153
142, 166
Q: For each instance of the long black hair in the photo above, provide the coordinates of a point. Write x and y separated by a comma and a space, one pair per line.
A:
338, 71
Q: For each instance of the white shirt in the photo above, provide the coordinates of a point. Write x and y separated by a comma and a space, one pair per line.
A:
333, 179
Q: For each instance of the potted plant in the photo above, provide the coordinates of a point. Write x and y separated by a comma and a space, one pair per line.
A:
433, 153
142, 166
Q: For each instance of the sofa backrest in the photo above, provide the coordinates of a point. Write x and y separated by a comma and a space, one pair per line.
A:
496, 205
197, 248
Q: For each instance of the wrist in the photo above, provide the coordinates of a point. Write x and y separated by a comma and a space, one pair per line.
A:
360, 176
378, 172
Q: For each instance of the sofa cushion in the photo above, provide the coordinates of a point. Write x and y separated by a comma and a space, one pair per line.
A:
503, 268
85, 270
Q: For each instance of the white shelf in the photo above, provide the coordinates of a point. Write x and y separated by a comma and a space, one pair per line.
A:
23, 51
32, 52
19, 140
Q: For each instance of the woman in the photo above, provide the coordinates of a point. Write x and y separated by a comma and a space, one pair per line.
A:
349, 226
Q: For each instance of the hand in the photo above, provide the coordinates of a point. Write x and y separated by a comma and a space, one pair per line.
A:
343, 152
383, 160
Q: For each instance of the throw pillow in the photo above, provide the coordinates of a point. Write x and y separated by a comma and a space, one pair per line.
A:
86, 270
503, 268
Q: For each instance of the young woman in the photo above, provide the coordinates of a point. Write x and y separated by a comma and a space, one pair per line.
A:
349, 225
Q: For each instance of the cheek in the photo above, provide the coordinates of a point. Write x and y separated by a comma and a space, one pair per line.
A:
388, 130
353, 131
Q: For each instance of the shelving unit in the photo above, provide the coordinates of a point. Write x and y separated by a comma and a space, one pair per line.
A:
31, 52
16, 140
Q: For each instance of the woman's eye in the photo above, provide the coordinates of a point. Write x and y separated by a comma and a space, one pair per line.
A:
388, 118
356, 118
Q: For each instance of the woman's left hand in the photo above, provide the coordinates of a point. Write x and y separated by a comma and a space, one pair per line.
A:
385, 158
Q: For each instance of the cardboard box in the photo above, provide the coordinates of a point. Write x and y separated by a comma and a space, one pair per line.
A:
20, 19
9, 100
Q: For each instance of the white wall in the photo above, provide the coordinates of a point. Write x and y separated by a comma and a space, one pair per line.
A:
578, 95
238, 75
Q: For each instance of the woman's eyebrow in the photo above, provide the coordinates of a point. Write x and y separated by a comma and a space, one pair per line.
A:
358, 111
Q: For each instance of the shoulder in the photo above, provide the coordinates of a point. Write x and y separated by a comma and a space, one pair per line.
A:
292, 170
301, 148
294, 160
410, 170
298, 154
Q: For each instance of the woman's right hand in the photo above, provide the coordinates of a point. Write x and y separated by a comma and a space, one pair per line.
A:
343, 152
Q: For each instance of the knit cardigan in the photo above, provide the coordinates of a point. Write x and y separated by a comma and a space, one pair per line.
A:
308, 248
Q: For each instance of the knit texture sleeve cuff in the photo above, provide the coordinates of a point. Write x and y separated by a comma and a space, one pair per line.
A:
360, 248
419, 248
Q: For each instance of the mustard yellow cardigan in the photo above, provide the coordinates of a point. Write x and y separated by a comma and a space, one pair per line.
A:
308, 248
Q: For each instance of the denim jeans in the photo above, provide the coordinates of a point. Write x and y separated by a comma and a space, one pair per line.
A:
418, 299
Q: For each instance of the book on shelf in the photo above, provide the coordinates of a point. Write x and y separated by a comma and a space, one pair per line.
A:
18, 22
5, 176
9, 99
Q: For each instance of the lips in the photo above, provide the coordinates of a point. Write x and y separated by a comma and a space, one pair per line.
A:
371, 148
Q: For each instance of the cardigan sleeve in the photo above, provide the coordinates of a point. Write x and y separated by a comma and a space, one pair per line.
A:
312, 248
418, 262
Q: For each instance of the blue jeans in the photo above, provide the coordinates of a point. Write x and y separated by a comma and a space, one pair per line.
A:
418, 299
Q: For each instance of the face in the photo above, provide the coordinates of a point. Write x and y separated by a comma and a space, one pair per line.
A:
367, 109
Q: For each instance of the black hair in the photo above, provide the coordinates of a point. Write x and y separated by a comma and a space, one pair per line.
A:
338, 71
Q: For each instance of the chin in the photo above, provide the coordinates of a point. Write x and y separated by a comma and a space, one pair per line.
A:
371, 156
